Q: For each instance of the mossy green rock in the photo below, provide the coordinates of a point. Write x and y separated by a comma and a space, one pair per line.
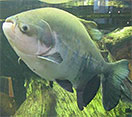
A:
43, 101
119, 43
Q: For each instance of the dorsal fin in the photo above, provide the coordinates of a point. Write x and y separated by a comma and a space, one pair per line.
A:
91, 28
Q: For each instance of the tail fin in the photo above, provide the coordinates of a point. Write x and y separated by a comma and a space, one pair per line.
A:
111, 84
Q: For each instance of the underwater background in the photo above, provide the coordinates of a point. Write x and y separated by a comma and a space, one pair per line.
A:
23, 93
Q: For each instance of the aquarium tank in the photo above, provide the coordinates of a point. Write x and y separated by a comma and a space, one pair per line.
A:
65, 58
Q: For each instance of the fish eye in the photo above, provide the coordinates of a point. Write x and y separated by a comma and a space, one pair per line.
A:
24, 28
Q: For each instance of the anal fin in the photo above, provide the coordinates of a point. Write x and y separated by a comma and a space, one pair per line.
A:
80, 101
88, 92
91, 90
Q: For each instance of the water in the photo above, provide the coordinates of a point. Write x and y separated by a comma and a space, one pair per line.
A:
114, 19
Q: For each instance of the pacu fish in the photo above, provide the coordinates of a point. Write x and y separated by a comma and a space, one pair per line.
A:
56, 46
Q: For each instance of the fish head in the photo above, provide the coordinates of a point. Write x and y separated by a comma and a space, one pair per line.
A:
31, 36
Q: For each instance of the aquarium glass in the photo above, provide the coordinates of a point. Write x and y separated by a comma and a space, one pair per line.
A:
99, 89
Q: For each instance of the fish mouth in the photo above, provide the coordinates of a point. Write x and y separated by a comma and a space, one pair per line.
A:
11, 22
8, 27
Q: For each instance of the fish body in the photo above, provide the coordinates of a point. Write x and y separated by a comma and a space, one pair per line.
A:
72, 50
56, 45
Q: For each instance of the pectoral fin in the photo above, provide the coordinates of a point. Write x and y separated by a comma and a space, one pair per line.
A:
54, 58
